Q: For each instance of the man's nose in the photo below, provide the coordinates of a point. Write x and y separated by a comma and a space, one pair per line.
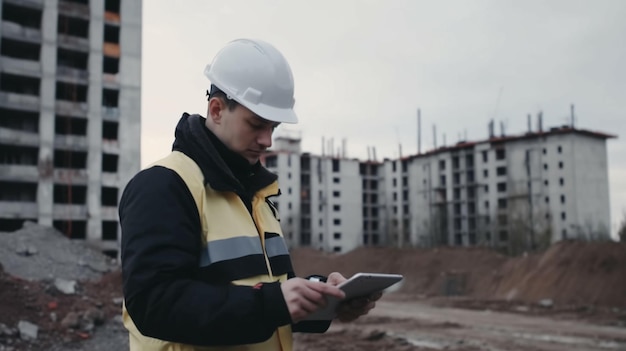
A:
265, 137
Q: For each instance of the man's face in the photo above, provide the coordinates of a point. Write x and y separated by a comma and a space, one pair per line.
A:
245, 133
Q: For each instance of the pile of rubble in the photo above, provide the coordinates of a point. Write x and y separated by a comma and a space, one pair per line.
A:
54, 291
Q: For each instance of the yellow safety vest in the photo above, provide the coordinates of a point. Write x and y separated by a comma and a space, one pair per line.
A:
231, 216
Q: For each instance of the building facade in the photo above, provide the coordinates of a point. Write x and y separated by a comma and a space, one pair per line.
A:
514, 193
70, 74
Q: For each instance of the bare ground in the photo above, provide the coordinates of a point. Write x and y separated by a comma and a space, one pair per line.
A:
571, 297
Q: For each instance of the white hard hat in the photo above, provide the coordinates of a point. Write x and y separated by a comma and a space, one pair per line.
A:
256, 75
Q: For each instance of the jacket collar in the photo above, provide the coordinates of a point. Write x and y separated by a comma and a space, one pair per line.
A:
223, 169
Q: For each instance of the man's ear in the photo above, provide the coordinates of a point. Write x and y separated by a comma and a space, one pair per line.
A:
216, 105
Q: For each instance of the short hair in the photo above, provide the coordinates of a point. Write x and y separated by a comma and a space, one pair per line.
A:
217, 93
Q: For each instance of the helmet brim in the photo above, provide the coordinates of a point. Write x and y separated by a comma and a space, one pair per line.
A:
270, 113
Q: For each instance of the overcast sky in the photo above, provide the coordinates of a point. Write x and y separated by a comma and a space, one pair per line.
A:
362, 68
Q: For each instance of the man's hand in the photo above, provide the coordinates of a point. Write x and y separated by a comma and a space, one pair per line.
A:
352, 309
304, 297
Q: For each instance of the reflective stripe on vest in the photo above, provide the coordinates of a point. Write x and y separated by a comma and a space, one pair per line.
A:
241, 246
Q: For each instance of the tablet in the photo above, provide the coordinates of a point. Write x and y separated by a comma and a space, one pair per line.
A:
359, 285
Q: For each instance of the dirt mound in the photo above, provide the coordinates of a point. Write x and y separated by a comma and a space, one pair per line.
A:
569, 272
444, 271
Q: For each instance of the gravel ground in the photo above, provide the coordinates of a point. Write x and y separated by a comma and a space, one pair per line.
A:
110, 336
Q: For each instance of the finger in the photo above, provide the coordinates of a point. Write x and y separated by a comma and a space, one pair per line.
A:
335, 278
327, 289
310, 306
304, 306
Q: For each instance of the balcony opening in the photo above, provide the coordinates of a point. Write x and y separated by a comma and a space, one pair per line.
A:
109, 163
19, 84
69, 194
24, 16
112, 6
108, 196
71, 228
500, 154
70, 159
110, 65
109, 130
72, 59
13, 224
24, 121
66, 125
18, 155
501, 187
336, 165
72, 26
18, 191
111, 34
109, 230
110, 97
71, 92
20, 49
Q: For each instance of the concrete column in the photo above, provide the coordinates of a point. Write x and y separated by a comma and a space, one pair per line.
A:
129, 131
94, 125
130, 92
47, 114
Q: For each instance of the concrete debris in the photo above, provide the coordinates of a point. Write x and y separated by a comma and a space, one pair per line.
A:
71, 320
65, 286
84, 321
36, 252
53, 278
6, 331
28, 330
118, 301
94, 315
26, 250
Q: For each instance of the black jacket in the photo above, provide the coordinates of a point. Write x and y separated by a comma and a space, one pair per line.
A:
166, 293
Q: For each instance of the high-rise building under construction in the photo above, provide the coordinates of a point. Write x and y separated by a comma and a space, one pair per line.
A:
512, 192
70, 74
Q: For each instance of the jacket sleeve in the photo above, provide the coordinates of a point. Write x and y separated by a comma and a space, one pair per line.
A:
311, 326
161, 246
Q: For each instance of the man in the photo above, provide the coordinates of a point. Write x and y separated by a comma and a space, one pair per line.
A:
204, 263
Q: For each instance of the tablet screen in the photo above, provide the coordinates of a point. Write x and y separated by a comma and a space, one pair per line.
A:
359, 285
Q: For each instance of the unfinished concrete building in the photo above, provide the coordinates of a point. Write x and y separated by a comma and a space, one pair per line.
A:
69, 114
511, 192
